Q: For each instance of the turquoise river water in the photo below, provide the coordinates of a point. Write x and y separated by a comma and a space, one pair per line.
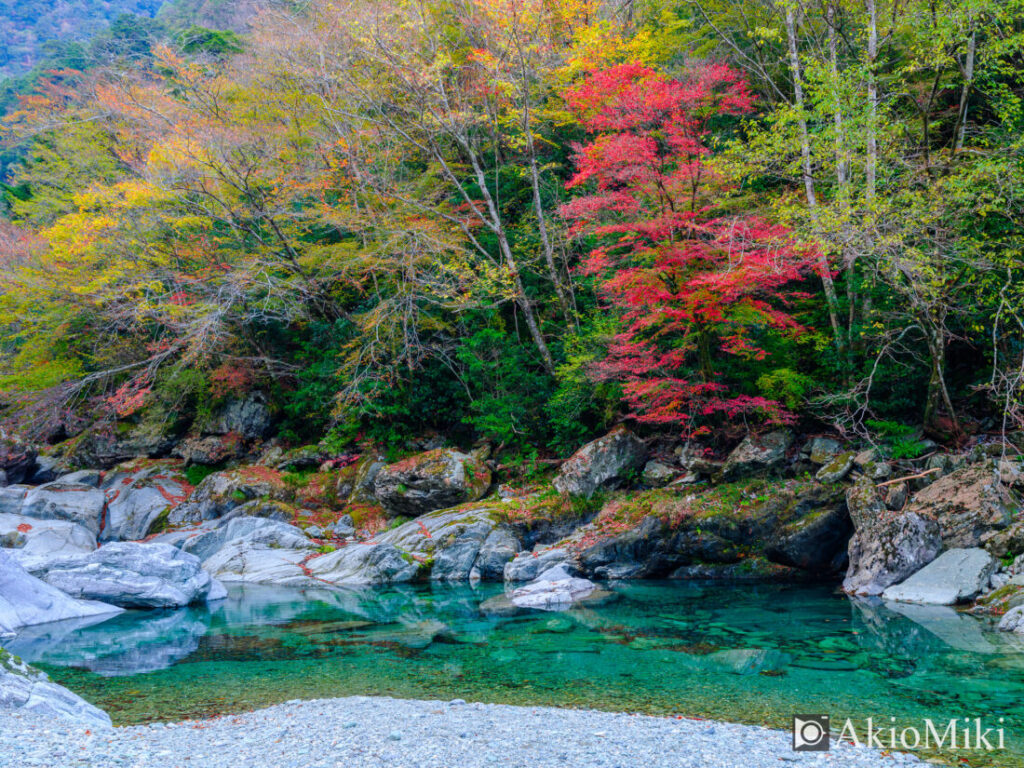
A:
750, 653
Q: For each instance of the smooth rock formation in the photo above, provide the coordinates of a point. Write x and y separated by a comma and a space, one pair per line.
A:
553, 590
955, 576
129, 574
140, 499
26, 688
248, 561
757, 454
257, 531
887, 547
25, 600
44, 537
437, 479
1013, 620
444, 545
75, 502
601, 464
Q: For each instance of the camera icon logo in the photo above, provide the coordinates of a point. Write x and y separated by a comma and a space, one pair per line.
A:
810, 733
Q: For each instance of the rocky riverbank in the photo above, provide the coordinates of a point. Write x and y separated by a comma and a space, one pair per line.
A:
357, 732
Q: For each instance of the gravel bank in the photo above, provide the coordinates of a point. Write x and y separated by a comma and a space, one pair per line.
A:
392, 733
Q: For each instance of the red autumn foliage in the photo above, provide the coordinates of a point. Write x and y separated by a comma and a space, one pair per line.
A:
689, 284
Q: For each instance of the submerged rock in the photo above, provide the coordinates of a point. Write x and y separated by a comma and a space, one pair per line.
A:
26, 688
553, 590
437, 479
601, 464
955, 576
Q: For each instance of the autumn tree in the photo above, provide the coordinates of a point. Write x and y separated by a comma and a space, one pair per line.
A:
690, 285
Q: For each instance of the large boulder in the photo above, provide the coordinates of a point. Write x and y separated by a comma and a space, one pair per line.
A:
270, 534
955, 576
795, 524
757, 454
602, 464
498, 550
44, 537
74, 502
25, 600
972, 507
887, 546
104, 447
251, 561
223, 491
445, 545
140, 497
436, 479
129, 574
17, 460
25, 688
249, 417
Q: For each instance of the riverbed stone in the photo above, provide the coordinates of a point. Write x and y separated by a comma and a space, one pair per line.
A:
527, 566
955, 576
44, 537
836, 469
553, 590
602, 464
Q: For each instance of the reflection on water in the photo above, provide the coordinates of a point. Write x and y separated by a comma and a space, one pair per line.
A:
751, 653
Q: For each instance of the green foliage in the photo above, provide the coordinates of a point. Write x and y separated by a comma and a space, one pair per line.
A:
900, 441
786, 386
196, 473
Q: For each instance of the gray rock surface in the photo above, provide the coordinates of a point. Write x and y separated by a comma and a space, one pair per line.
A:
527, 566
836, 468
657, 474
1013, 620
553, 590
26, 601
955, 576
601, 464
17, 459
757, 454
129, 574
886, 547
249, 417
75, 502
24, 688
44, 537
138, 497
821, 450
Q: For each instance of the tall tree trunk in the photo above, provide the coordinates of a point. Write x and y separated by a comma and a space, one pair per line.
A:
808, 174
871, 162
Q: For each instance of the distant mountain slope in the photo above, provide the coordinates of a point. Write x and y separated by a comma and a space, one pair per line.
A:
27, 25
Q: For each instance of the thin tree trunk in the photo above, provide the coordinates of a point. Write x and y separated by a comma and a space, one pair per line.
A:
965, 94
808, 176
871, 163
506, 251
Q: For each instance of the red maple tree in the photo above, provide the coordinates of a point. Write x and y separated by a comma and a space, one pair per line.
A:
688, 283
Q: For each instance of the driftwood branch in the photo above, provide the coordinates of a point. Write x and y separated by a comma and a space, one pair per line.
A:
909, 477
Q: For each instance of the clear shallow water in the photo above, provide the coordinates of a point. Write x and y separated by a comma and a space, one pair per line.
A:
755, 654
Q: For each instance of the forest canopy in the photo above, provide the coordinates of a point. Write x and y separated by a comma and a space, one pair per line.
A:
525, 220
